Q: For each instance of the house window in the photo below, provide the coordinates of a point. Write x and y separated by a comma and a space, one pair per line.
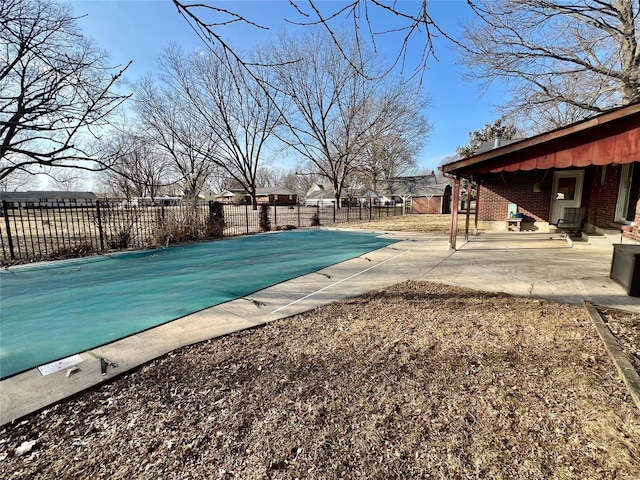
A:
566, 188
275, 197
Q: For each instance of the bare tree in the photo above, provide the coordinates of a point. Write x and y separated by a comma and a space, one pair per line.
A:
230, 107
67, 179
56, 88
329, 122
407, 24
300, 182
18, 181
168, 123
561, 60
399, 132
238, 109
141, 168
269, 177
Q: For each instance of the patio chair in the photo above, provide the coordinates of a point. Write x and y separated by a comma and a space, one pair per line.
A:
572, 221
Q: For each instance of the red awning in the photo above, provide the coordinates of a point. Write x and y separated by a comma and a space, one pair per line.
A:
610, 138
620, 148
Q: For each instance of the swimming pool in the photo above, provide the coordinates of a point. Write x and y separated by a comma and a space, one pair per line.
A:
53, 310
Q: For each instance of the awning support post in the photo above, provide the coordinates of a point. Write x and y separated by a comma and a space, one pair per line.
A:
468, 213
475, 228
455, 204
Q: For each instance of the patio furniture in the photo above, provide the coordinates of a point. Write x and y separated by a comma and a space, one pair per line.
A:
513, 224
514, 219
572, 221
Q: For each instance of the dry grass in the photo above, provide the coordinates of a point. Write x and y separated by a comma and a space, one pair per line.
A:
414, 223
418, 380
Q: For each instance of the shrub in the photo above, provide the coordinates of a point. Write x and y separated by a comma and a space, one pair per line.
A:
82, 250
265, 221
215, 223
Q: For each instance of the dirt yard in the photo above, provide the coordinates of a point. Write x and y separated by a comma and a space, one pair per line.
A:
418, 380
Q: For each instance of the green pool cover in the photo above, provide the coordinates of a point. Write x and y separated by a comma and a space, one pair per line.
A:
52, 310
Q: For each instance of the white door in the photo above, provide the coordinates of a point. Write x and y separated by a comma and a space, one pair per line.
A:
566, 192
628, 193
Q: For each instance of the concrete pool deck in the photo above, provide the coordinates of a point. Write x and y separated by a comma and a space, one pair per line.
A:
516, 263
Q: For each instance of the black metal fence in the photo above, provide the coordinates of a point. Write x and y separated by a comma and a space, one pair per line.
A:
52, 229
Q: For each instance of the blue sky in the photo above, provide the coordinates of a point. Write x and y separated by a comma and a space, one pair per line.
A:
137, 30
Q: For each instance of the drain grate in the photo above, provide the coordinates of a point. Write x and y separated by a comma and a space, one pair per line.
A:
58, 365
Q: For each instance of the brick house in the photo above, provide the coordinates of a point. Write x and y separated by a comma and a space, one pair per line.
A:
593, 164
423, 193
264, 196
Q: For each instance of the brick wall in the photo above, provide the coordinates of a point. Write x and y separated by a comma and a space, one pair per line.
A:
426, 205
497, 191
601, 194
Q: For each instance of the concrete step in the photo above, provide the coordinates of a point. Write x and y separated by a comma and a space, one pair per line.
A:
578, 242
598, 241
613, 233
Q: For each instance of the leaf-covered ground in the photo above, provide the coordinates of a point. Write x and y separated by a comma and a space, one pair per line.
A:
625, 327
418, 380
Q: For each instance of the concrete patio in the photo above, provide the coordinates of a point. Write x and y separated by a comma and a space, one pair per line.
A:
516, 263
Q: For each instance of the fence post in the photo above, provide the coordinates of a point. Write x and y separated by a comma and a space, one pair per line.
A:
335, 207
275, 211
298, 214
246, 214
8, 227
100, 225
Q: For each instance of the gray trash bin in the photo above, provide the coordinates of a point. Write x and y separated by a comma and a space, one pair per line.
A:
625, 267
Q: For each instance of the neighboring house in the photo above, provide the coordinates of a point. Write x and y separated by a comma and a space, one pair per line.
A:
44, 199
232, 196
276, 196
264, 196
421, 194
321, 195
593, 164
209, 196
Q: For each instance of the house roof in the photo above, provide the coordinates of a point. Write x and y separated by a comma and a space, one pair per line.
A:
229, 193
259, 192
612, 137
274, 191
45, 195
320, 191
416, 186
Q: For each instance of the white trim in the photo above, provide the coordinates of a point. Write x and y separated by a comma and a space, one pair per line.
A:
558, 205
624, 190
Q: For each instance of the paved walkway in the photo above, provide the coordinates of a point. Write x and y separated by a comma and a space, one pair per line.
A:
516, 263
